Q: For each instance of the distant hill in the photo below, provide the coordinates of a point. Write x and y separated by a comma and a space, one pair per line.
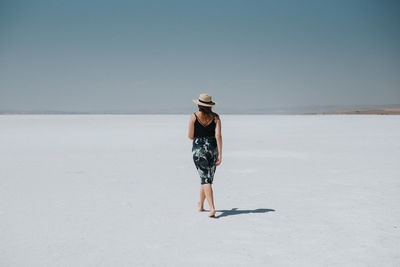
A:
379, 111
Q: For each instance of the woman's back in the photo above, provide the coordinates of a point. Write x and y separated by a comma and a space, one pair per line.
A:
204, 129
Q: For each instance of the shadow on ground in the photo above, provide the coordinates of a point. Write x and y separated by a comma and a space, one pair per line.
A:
235, 211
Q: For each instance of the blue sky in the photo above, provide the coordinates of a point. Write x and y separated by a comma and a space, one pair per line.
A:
158, 55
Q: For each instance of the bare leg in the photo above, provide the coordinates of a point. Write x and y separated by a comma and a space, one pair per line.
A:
202, 198
210, 198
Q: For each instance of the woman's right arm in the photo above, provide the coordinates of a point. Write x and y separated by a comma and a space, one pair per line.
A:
218, 136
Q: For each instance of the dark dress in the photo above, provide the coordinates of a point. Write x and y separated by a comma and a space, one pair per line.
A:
205, 150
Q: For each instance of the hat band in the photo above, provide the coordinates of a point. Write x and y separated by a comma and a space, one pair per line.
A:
209, 102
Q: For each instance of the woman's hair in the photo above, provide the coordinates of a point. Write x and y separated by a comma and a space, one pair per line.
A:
208, 113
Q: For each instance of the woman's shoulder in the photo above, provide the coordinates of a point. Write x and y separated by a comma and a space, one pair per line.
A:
216, 116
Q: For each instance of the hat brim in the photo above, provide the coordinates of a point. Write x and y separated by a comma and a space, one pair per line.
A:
196, 100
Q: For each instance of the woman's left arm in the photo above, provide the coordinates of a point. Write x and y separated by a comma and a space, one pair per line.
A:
191, 127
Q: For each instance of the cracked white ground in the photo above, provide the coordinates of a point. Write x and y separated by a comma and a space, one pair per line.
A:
122, 190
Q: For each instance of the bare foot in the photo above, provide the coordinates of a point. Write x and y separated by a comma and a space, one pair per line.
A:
212, 213
200, 207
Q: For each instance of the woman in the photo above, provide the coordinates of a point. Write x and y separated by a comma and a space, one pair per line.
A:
205, 131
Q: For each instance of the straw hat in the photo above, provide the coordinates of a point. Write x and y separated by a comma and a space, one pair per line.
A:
204, 100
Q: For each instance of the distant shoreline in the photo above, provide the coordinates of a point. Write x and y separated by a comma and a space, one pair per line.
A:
372, 110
